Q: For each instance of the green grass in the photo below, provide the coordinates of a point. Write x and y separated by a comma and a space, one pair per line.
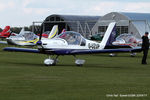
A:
24, 77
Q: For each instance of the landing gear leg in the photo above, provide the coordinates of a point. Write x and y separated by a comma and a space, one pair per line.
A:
51, 62
79, 62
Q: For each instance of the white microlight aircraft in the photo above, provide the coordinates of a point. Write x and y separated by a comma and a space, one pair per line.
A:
27, 38
73, 43
128, 39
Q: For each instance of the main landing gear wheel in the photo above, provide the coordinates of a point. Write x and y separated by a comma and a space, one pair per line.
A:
112, 54
79, 62
50, 62
133, 54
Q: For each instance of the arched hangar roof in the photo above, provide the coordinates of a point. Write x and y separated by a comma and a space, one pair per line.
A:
137, 16
72, 21
137, 22
74, 17
140, 20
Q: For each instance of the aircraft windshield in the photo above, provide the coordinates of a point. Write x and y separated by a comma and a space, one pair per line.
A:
72, 38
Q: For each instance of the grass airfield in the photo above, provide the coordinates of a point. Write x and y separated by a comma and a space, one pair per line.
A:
23, 76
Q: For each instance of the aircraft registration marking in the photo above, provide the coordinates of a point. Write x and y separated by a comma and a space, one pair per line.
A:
93, 46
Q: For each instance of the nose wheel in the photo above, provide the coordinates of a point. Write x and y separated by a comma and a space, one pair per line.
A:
51, 62
79, 62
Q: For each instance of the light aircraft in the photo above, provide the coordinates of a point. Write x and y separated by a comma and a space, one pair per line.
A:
73, 43
27, 38
6, 32
127, 39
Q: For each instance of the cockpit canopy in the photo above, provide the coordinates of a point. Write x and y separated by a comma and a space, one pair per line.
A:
28, 35
72, 38
128, 38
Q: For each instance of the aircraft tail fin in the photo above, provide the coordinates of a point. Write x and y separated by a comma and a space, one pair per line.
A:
64, 30
53, 31
109, 36
6, 32
6, 29
22, 31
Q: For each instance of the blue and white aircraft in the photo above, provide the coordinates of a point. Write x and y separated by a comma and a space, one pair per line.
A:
73, 43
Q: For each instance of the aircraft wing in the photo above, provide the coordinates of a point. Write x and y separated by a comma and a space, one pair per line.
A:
105, 51
89, 51
21, 49
72, 51
28, 50
121, 50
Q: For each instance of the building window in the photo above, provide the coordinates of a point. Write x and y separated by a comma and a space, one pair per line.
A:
122, 29
52, 19
58, 19
119, 29
102, 29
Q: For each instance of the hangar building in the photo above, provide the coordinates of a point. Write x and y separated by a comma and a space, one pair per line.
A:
137, 23
81, 24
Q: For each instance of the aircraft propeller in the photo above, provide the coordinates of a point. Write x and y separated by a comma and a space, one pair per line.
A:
41, 31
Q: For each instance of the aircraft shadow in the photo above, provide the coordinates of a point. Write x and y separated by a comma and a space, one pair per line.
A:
63, 65
26, 64
100, 66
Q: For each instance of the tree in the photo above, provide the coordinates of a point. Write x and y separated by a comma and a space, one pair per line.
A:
15, 29
36, 30
1, 30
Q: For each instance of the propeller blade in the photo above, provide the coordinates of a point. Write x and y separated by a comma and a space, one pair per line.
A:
40, 37
41, 31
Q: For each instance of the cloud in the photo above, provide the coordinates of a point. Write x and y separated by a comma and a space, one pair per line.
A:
2, 6
82, 7
106, 7
25, 3
6, 5
24, 12
138, 7
37, 11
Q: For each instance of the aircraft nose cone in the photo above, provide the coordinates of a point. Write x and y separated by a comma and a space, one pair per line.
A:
39, 43
9, 41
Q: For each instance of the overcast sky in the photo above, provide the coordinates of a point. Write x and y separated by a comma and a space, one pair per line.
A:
21, 13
